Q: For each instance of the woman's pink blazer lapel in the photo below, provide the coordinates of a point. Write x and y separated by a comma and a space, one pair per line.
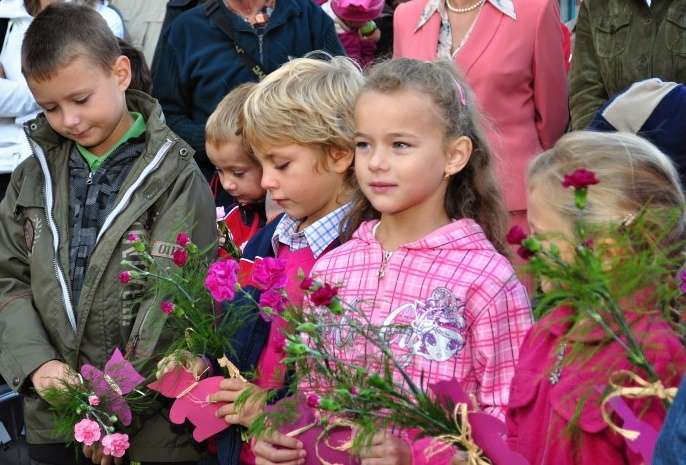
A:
484, 31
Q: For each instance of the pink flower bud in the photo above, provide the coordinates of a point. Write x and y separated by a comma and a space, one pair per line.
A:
124, 277
183, 239
93, 401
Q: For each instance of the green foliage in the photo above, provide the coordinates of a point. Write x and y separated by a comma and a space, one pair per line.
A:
611, 269
196, 324
374, 393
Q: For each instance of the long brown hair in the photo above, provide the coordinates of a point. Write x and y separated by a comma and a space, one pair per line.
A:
473, 192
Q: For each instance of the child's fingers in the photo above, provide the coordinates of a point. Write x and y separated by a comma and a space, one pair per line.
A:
87, 451
267, 454
374, 461
228, 409
232, 384
106, 460
279, 439
224, 396
372, 452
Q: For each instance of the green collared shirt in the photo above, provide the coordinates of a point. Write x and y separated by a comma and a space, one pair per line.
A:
137, 129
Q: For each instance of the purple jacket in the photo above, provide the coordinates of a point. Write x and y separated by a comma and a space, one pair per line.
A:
540, 413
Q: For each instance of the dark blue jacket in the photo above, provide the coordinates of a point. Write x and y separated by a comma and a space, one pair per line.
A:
247, 343
197, 64
672, 441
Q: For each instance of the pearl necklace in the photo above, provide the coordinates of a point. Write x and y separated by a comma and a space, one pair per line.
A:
463, 10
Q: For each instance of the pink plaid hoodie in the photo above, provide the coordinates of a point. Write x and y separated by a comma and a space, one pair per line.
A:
466, 310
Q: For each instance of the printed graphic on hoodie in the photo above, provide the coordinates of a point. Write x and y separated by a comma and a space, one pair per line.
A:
435, 328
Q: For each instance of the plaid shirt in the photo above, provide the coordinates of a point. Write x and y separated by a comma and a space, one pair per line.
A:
317, 236
465, 312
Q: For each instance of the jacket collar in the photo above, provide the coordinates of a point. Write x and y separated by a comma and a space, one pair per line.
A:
462, 234
282, 11
506, 7
40, 131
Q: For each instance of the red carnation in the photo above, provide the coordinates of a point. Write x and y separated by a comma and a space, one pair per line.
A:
580, 179
306, 284
516, 235
323, 296
183, 239
313, 401
525, 253
180, 257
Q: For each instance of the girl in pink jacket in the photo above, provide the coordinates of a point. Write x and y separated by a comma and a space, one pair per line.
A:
554, 416
427, 249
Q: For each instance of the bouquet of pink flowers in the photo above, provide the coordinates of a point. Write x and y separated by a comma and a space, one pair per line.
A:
186, 291
97, 405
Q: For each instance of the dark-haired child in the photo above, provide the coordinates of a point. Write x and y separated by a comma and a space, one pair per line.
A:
104, 166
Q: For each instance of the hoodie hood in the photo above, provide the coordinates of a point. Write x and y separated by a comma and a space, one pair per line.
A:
13, 9
463, 234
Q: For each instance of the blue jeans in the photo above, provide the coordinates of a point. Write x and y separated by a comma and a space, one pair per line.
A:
671, 445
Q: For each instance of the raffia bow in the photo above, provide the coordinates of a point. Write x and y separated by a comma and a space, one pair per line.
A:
640, 390
473, 453
332, 423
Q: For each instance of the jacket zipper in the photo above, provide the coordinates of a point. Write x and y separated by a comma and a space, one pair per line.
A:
260, 38
37, 152
124, 202
385, 258
89, 180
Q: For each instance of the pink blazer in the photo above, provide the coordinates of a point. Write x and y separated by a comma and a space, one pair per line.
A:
517, 71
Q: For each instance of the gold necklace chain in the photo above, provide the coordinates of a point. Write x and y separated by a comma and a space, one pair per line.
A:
465, 9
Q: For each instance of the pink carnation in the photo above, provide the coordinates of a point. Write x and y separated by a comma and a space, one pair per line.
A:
167, 306
269, 273
93, 401
221, 213
221, 279
272, 299
183, 239
124, 277
180, 257
133, 237
115, 444
87, 431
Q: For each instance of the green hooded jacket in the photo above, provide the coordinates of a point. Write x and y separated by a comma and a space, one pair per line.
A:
619, 42
163, 194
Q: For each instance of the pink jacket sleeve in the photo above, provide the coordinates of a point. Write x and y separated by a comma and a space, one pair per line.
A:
550, 77
496, 336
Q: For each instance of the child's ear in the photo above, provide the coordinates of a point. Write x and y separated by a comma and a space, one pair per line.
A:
459, 152
122, 72
340, 159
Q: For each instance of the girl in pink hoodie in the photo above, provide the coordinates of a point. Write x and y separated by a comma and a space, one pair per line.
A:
427, 245
554, 416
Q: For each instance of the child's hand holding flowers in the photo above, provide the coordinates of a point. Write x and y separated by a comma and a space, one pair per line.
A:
244, 401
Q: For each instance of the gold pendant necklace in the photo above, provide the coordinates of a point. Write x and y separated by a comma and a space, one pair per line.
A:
465, 9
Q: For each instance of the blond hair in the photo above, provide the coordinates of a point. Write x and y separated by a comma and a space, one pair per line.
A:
632, 174
226, 121
471, 193
306, 101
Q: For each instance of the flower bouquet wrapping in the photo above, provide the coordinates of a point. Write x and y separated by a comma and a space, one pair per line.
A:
342, 403
95, 406
611, 275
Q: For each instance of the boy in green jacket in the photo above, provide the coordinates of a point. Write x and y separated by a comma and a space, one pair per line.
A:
105, 166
